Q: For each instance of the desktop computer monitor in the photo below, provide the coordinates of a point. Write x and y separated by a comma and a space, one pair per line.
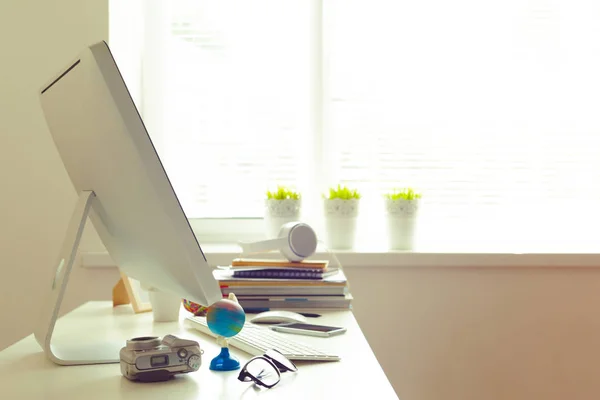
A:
107, 151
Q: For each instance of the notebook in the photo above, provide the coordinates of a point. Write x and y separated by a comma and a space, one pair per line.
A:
225, 277
278, 273
254, 262
285, 302
284, 290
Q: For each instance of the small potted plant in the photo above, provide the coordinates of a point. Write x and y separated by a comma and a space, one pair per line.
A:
402, 206
281, 206
341, 212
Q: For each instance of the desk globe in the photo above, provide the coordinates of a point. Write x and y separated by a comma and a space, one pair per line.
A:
225, 318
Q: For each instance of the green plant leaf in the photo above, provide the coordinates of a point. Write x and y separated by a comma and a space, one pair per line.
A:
403, 194
282, 193
343, 192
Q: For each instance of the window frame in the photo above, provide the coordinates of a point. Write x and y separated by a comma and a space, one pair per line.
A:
227, 230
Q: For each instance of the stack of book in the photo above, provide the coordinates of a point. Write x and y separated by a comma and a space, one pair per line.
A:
280, 284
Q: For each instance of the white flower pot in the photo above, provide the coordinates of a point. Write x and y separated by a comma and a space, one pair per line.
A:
278, 213
340, 223
401, 223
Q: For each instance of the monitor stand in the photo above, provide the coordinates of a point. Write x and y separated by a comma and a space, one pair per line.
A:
88, 353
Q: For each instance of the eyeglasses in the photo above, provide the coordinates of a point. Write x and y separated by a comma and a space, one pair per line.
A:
265, 370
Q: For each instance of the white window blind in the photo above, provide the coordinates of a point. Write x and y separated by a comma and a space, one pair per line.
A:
235, 100
491, 109
487, 107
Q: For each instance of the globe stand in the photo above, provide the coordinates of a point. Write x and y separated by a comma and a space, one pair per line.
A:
224, 361
226, 319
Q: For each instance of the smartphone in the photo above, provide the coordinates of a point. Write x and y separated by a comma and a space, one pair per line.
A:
309, 329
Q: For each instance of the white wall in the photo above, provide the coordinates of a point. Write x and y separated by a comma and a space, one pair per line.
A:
483, 333
36, 39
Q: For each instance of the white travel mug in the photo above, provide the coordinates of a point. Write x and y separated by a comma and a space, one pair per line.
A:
165, 306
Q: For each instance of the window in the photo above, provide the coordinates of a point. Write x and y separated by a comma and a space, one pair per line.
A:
491, 109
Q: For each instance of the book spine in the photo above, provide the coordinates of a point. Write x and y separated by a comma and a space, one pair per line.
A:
277, 274
278, 264
303, 305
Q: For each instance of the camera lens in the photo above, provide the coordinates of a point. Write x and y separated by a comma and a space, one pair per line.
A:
143, 343
143, 338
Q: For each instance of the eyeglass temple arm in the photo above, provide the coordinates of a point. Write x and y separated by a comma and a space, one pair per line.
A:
244, 372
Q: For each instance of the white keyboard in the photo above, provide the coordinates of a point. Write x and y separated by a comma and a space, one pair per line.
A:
256, 340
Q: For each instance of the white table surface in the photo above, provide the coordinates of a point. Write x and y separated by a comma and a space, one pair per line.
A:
25, 372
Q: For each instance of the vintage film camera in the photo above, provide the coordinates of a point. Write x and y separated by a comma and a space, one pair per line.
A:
150, 359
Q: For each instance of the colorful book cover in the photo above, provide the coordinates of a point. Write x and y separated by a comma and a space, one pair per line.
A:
266, 263
276, 273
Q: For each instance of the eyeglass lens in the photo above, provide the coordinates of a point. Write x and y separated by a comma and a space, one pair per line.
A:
281, 361
263, 371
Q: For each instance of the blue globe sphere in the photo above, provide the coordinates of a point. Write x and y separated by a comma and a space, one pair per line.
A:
225, 318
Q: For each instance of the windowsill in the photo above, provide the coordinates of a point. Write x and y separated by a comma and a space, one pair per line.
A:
566, 241
222, 254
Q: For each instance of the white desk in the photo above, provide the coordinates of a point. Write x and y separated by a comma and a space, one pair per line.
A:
25, 373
